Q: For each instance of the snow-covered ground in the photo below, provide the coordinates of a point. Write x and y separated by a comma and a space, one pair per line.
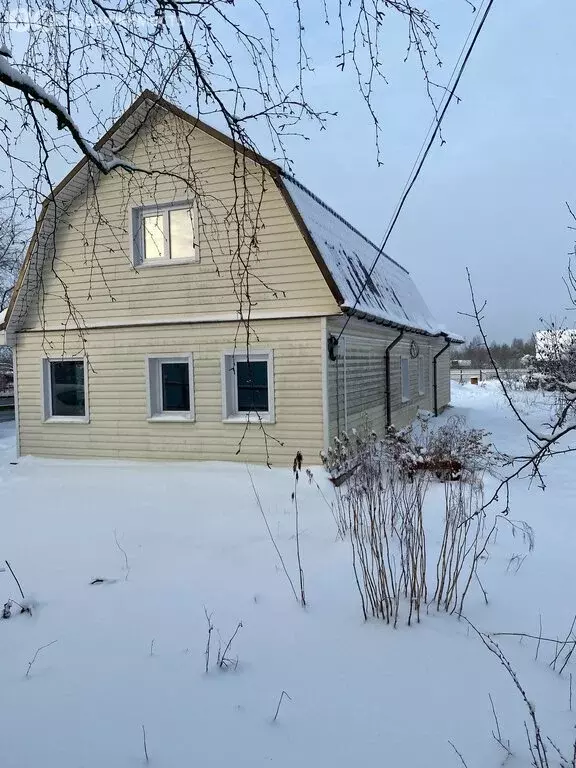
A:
131, 652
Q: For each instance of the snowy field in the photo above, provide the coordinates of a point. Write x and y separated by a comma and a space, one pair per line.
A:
130, 652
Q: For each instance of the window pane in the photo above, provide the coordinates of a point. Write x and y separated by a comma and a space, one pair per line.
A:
67, 388
252, 383
175, 387
153, 237
181, 234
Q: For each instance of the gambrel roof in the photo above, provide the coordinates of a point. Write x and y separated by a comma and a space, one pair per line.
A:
370, 283
383, 293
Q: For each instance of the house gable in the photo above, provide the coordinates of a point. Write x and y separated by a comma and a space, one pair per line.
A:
254, 259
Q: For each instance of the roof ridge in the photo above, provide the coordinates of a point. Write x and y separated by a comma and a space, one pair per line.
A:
340, 218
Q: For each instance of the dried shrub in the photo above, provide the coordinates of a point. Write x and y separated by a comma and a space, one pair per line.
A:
381, 493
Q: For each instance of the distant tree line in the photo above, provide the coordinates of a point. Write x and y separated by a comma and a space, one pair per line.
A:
505, 355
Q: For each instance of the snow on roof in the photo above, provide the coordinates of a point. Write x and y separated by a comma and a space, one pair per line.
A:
389, 293
3, 315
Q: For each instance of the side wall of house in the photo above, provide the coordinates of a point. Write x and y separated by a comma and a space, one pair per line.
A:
443, 375
357, 379
118, 399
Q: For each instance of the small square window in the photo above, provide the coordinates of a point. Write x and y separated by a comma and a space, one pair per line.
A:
163, 234
421, 375
248, 386
170, 388
64, 390
405, 378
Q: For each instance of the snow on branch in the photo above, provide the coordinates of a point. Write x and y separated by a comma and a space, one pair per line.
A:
13, 78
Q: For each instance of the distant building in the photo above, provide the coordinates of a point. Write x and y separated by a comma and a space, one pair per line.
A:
461, 363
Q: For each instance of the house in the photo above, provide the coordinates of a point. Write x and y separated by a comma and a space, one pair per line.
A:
215, 309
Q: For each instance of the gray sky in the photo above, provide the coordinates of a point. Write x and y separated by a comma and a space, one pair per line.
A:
493, 197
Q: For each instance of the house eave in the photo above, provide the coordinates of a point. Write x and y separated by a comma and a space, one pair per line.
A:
361, 315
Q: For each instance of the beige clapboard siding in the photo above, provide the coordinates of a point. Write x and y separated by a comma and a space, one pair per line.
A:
357, 381
118, 425
443, 377
93, 248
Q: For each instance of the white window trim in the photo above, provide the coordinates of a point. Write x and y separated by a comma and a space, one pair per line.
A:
173, 357
421, 375
230, 413
136, 233
46, 393
405, 399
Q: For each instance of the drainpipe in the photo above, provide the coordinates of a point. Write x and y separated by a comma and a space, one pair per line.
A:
389, 348
435, 363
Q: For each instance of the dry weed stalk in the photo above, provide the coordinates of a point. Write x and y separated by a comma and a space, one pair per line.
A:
41, 648
224, 661
296, 469
463, 544
270, 535
282, 696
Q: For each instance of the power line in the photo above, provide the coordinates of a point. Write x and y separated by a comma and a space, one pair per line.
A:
447, 90
419, 164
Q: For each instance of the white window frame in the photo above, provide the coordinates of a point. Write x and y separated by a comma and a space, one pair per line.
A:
230, 412
137, 213
46, 379
405, 379
154, 386
421, 375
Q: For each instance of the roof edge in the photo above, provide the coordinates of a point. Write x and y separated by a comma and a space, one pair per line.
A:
341, 218
310, 242
361, 315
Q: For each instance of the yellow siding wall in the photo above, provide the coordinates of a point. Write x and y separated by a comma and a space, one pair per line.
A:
357, 381
117, 394
92, 280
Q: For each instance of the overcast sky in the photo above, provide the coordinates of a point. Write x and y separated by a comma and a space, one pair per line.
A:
493, 197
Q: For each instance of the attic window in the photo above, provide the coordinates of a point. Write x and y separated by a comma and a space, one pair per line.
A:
164, 234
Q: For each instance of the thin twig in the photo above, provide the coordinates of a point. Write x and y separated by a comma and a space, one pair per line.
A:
498, 735
260, 507
464, 763
127, 565
30, 663
223, 659
279, 703
210, 630
481, 587
15, 579
145, 745
297, 466
152, 647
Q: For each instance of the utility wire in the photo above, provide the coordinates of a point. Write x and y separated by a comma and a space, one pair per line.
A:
447, 90
410, 184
